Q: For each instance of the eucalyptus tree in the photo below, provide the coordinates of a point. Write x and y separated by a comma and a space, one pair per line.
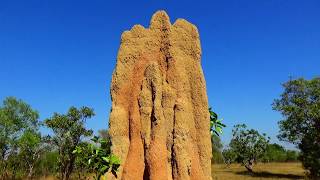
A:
299, 105
16, 117
68, 132
31, 147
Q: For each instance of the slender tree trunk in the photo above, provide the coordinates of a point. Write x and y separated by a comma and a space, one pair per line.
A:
66, 173
14, 173
30, 172
249, 165
68, 170
65, 176
4, 165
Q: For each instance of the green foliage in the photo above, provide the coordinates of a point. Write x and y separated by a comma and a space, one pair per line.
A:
17, 119
292, 156
310, 155
216, 127
68, 129
30, 148
48, 162
229, 156
300, 106
104, 134
97, 157
215, 124
247, 146
24, 153
277, 153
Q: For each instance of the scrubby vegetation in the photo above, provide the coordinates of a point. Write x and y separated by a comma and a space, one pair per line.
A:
96, 158
65, 154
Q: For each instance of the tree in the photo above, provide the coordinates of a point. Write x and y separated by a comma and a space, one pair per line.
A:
299, 104
247, 146
16, 117
69, 129
97, 158
30, 148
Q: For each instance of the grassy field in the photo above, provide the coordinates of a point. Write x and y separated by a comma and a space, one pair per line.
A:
262, 171
267, 171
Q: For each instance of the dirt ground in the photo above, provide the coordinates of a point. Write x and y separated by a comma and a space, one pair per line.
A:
262, 171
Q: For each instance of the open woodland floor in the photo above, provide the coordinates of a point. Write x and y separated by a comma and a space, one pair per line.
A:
262, 171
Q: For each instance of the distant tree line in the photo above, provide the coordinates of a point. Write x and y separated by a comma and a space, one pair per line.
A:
277, 153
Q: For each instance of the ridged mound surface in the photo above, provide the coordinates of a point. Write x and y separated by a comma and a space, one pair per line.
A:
159, 122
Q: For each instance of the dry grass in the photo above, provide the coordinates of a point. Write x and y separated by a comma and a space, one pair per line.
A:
267, 171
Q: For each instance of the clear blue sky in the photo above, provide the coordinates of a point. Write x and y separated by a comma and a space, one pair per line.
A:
58, 53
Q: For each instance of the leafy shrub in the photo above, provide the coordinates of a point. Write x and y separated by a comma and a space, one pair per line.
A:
97, 158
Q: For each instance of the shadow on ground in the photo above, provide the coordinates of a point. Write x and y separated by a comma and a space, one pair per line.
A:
265, 174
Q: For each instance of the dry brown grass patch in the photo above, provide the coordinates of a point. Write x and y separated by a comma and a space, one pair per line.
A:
262, 171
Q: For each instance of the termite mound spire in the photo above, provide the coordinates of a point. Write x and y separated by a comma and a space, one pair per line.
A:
159, 122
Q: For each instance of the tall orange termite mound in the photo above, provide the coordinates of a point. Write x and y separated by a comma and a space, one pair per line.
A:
159, 123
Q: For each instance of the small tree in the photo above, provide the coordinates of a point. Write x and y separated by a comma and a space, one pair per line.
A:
16, 117
69, 129
300, 106
247, 146
30, 148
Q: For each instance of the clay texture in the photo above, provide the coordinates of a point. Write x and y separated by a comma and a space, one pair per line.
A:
159, 122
